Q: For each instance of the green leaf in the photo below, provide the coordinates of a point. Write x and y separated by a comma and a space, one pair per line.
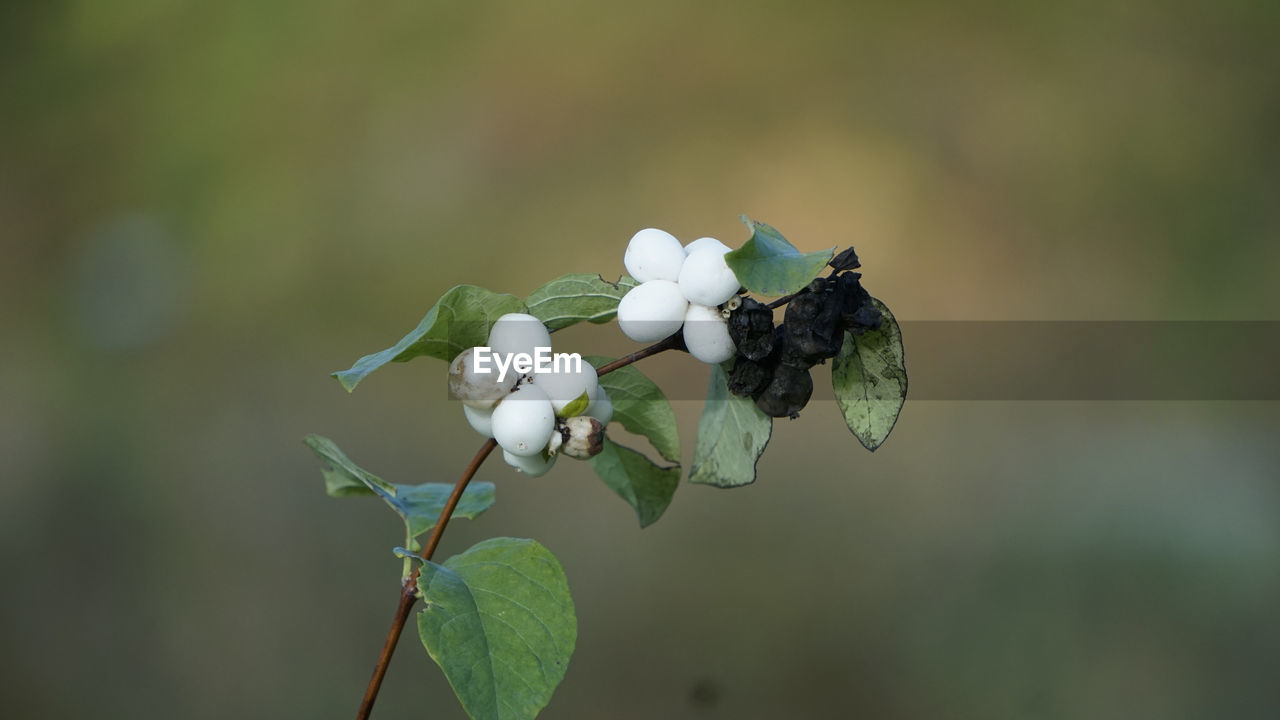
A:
576, 297
500, 623
768, 264
641, 407
575, 406
732, 434
870, 380
418, 505
647, 487
460, 319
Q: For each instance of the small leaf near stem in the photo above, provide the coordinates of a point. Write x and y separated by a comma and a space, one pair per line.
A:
409, 594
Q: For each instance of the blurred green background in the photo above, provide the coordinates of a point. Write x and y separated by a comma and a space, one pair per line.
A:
207, 207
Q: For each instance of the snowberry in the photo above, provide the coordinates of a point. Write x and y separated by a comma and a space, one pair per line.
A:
706, 242
531, 465
568, 384
601, 407
480, 420
706, 334
479, 390
653, 254
706, 279
516, 333
523, 421
652, 310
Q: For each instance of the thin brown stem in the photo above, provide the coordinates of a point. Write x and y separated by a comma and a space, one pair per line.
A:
672, 342
782, 301
409, 594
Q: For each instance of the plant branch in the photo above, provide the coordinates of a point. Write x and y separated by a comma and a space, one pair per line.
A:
409, 593
673, 342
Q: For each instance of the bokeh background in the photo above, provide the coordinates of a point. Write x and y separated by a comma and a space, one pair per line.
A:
205, 208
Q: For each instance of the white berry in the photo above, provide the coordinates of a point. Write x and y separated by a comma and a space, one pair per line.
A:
476, 389
568, 384
523, 421
601, 407
706, 279
480, 420
516, 333
706, 334
531, 465
653, 254
652, 310
706, 242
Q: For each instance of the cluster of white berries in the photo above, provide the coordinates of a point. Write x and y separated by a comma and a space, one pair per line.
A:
680, 286
534, 415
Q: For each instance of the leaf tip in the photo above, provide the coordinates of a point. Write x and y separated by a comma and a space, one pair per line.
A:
345, 379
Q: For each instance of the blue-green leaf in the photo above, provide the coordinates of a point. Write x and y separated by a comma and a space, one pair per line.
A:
418, 505
460, 319
500, 623
577, 297
768, 264
732, 434
645, 486
870, 380
641, 407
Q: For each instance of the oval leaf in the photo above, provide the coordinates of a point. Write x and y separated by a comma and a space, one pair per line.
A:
768, 264
870, 380
646, 487
732, 435
641, 407
576, 297
500, 623
418, 505
460, 319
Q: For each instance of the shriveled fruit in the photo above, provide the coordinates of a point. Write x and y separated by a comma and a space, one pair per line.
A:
583, 437
481, 390
787, 393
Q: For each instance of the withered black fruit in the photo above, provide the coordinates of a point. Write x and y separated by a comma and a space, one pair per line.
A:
787, 393
857, 314
751, 329
748, 377
846, 260
813, 325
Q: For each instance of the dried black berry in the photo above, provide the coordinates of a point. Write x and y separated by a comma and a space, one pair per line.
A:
751, 329
858, 314
787, 393
748, 377
846, 260
813, 326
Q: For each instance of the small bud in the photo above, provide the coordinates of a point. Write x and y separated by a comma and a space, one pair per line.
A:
582, 437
